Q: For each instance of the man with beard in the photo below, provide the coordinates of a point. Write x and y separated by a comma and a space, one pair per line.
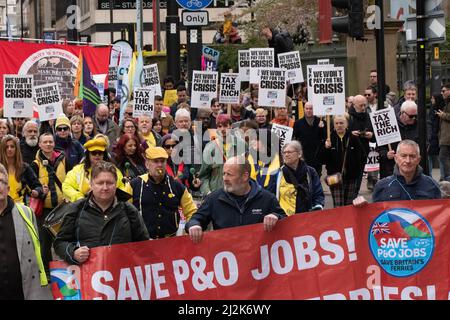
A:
29, 142
105, 125
240, 202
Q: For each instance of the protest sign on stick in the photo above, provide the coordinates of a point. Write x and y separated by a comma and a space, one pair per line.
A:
244, 65
18, 96
204, 88
151, 78
260, 58
292, 63
144, 102
48, 101
230, 85
272, 87
326, 87
385, 126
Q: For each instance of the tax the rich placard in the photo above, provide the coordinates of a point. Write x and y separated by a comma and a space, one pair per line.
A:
244, 65
144, 102
292, 63
283, 132
230, 85
48, 101
18, 96
260, 58
272, 87
204, 88
385, 126
151, 78
326, 89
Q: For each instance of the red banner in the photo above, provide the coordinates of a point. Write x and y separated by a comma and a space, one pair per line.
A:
392, 250
50, 63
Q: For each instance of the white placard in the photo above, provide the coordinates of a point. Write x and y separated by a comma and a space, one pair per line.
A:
18, 96
292, 63
204, 88
144, 102
272, 87
99, 80
326, 88
244, 65
48, 101
283, 132
151, 78
260, 58
230, 86
385, 126
373, 159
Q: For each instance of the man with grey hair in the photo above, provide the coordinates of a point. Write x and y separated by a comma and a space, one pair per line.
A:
408, 181
409, 93
240, 202
105, 125
29, 141
408, 130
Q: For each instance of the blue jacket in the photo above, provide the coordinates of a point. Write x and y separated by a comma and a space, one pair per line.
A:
394, 188
224, 212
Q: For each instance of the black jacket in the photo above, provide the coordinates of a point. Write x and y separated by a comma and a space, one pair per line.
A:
28, 153
333, 158
281, 42
361, 121
311, 138
224, 212
85, 223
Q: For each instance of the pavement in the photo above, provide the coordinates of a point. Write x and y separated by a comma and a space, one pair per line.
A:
362, 192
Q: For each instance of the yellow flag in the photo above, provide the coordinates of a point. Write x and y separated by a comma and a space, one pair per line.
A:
301, 110
78, 78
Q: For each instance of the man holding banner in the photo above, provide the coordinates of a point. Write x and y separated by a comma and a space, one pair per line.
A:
408, 181
240, 202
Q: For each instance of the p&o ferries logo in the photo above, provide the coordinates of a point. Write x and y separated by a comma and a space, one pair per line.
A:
401, 241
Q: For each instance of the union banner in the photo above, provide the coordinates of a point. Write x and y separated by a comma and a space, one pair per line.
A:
384, 251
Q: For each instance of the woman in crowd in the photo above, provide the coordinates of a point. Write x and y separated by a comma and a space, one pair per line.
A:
22, 179
157, 126
50, 168
5, 128
261, 118
179, 171
89, 128
98, 220
216, 109
77, 126
129, 157
129, 126
343, 154
76, 185
297, 185
73, 150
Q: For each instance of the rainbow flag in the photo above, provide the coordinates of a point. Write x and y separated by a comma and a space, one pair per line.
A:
85, 88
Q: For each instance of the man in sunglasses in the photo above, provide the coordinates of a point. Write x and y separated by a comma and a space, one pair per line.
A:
408, 130
73, 150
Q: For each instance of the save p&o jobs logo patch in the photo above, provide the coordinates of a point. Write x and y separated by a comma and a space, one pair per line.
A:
401, 241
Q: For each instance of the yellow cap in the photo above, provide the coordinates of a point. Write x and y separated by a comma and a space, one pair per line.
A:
62, 120
156, 153
98, 144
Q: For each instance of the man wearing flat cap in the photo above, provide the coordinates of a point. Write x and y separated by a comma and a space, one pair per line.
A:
158, 196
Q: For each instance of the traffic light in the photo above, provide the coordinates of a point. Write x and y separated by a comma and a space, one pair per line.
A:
353, 23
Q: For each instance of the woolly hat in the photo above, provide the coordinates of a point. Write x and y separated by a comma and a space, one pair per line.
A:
62, 120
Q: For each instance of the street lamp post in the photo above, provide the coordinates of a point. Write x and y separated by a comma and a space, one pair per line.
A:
173, 40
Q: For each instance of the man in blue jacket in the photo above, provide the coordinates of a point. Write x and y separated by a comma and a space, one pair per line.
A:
408, 181
240, 202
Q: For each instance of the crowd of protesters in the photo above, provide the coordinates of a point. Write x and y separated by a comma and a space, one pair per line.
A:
186, 169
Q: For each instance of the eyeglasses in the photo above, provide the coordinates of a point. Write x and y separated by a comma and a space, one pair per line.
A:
129, 114
170, 146
411, 116
62, 129
368, 94
97, 153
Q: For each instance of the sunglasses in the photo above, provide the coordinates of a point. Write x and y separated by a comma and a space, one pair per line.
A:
169, 146
129, 114
97, 153
411, 116
62, 129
